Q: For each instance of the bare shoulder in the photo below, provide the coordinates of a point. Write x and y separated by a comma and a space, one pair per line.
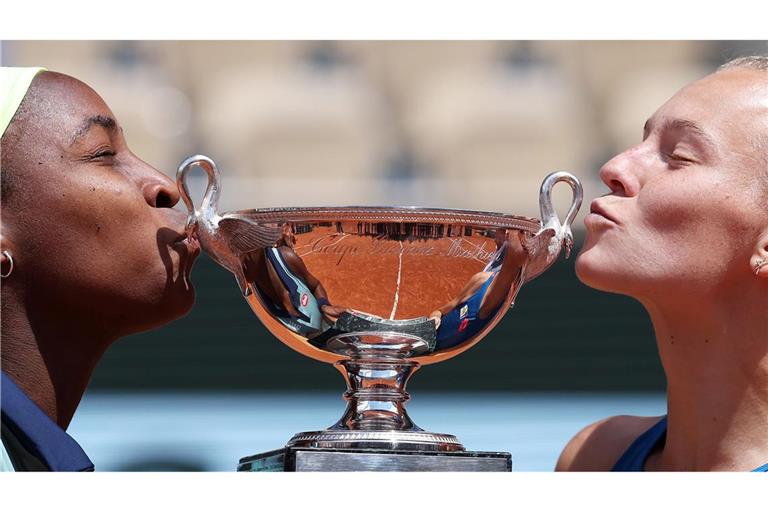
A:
598, 446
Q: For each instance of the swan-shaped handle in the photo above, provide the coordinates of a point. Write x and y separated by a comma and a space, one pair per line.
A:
549, 218
209, 206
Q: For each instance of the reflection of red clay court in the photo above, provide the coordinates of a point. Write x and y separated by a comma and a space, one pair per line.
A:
390, 273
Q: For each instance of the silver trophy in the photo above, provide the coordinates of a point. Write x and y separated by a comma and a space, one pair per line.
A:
378, 292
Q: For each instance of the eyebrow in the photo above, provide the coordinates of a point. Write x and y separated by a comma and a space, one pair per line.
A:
684, 124
97, 120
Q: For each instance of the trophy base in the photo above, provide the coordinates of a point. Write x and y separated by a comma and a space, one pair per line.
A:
414, 440
301, 459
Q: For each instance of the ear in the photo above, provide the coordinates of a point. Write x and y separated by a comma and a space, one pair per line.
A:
759, 259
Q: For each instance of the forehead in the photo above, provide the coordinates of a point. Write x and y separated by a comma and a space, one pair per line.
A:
730, 105
57, 104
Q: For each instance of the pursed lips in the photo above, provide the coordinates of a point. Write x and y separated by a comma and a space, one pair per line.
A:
598, 209
192, 243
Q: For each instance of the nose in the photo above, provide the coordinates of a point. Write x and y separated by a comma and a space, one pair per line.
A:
618, 174
159, 190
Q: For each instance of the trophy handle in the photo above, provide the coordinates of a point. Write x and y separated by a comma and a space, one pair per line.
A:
545, 246
210, 203
549, 218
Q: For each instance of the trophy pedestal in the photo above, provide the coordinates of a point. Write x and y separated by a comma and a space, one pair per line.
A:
295, 459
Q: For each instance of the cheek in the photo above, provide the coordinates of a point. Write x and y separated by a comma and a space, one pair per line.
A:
100, 237
690, 212
691, 229
669, 207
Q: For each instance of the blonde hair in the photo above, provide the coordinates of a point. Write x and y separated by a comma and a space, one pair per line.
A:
758, 62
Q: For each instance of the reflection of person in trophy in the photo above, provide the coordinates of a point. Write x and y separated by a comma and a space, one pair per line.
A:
479, 301
92, 250
684, 230
500, 237
296, 296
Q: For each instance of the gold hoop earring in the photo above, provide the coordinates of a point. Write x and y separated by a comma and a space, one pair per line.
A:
760, 264
10, 269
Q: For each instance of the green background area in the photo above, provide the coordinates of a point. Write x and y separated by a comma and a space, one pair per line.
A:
561, 335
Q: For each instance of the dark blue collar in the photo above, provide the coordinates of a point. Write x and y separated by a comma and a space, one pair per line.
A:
637, 453
38, 433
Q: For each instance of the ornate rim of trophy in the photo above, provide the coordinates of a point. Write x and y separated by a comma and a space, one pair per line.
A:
377, 353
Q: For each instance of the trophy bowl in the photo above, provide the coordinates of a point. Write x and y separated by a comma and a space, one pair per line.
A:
378, 292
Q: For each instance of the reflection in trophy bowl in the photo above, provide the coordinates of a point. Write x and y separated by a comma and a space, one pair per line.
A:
384, 283
378, 291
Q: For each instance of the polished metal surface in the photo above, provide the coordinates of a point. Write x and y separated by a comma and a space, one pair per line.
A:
386, 462
320, 459
378, 291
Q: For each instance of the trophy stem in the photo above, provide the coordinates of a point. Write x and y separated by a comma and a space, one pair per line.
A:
376, 395
375, 416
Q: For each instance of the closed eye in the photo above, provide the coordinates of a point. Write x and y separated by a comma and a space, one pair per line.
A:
101, 154
679, 159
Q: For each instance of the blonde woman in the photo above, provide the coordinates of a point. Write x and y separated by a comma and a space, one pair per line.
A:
684, 230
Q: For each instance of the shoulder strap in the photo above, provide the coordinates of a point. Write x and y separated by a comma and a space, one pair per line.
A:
637, 453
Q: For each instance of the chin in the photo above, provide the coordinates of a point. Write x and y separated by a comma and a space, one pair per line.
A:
180, 301
590, 272
178, 295
168, 305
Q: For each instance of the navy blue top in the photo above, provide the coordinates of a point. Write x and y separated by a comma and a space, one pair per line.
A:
637, 453
37, 433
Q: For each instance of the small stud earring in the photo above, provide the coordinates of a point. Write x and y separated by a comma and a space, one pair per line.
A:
760, 264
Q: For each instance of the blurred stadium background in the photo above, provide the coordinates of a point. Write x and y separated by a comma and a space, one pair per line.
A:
465, 124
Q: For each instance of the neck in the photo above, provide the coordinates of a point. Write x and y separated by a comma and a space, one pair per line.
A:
716, 362
50, 356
